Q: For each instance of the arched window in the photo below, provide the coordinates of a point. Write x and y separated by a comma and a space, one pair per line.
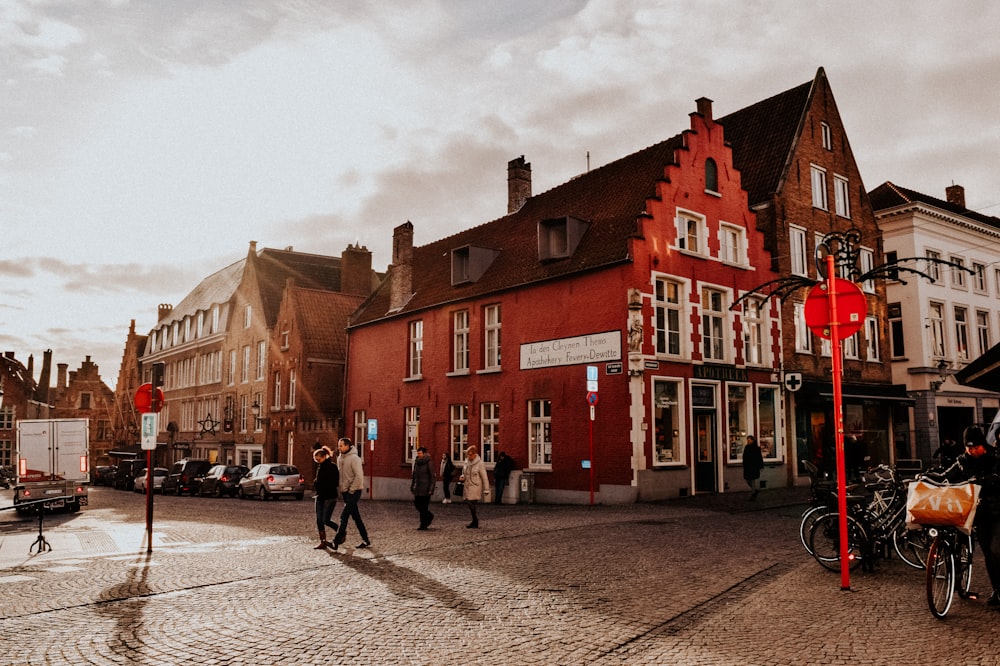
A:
711, 175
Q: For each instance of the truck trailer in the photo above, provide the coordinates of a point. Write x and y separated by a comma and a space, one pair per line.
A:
53, 461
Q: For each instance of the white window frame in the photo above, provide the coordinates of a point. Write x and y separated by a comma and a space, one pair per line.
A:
842, 196
866, 261
958, 280
872, 340
668, 315
460, 341
292, 387
803, 334
540, 434
276, 404
691, 230
245, 371
983, 331
817, 179
797, 251
411, 432
938, 342
261, 359
826, 135
491, 337
714, 335
415, 367
851, 346
489, 431
754, 328
458, 426
979, 278
732, 244
961, 314
247, 316
932, 268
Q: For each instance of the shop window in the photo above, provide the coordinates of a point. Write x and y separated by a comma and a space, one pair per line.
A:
667, 431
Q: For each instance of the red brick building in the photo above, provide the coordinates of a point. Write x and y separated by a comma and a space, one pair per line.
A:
634, 268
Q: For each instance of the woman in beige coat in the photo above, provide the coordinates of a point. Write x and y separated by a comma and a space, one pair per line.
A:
477, 484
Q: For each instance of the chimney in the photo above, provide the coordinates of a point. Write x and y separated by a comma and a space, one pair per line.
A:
518, 184
356, 270
164, 311
704, 108
401, 287
45, 378
61, 375
955, 194
31, 364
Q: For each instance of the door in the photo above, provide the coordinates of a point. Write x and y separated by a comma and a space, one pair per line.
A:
705, 427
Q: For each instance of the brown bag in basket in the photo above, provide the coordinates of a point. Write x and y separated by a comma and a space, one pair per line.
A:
944, 505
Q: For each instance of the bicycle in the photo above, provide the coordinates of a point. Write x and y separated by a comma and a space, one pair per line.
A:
949, 568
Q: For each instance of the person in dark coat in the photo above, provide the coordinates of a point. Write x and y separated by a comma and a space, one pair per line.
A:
447, 471
753, 463
326, 485
422, 487
501, 475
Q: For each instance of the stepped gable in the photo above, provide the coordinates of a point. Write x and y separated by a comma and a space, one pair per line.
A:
889, 195
763, 135
310, 271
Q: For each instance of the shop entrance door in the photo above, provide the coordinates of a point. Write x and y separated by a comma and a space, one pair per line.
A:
705, 477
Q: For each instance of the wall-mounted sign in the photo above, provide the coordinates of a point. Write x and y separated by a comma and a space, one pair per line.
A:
591, 348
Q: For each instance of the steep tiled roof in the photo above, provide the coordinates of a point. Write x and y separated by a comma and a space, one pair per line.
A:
889, 195
216, 288
322, 317
763, 136
311, 271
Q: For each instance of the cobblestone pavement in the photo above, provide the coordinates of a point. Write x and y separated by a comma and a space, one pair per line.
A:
714, 580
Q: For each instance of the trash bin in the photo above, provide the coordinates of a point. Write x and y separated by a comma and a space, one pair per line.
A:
527, 494
512, 491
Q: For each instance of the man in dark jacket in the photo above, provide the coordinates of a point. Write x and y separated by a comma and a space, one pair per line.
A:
753, 463
501, 474
422, 487
326, 485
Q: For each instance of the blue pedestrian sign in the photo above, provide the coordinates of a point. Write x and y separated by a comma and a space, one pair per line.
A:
372, 428
592, 379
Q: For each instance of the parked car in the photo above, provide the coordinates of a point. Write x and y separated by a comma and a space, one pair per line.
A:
269, 480
185, 476
222, 480
159, 474
103, 475
126, 472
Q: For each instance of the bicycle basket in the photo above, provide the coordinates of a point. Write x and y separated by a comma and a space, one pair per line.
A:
954, 505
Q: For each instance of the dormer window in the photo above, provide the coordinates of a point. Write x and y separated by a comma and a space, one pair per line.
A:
558, 238
468, 263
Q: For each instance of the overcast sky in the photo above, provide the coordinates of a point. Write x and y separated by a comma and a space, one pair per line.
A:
145, 143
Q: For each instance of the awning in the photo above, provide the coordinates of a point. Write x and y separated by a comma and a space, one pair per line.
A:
983, 373
882, 392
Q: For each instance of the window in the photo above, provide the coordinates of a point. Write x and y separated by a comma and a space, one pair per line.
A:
667, 411
841, 196
411, 417
931, 267
247, 316
7, 418
201, 324
896, 342
458, 424
753, 331
866, 262
797, 250
851, 346
360, 428
489, 430
231, 373
983, 331
539, 433
731, 244
258, 422
215, 319
7, 452
261, 359
558, 238
739, 421
827, 136
767, 422
491, 324
871, 340
245, 372
667, 310
292, 384
711, 175
958, 272
819, 197
284, 340
962, 333
416, 349
937, 329
803, 336
243, 413
690, 233
276, 405
979, 278
713, 325
460, 341
891, 258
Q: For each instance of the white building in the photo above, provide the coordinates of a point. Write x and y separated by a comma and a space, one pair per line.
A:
938, 325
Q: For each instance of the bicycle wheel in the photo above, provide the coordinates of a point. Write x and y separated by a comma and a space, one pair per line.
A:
824, 540
805, 525
940, 577
911, 546
963, 560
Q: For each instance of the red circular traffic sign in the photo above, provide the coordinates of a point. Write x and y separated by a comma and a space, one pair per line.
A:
852, 306
144, 399
592, 398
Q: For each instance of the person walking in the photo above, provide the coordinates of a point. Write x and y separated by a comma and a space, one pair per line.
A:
446, 471
501, 475
352, 482
753, 463
327, 486
477, 483
422, 487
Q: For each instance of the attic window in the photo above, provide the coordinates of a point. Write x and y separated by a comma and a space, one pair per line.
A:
468, 263
558, 238
711, 175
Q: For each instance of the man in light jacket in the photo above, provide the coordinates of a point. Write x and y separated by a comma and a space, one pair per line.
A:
352, 482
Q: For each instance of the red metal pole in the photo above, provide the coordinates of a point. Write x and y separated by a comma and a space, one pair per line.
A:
591, 455
838, 420
149, 501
